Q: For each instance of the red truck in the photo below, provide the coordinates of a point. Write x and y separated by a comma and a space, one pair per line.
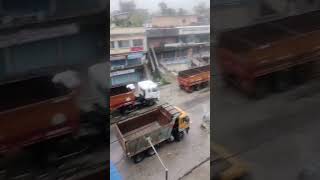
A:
272, 55
194, 79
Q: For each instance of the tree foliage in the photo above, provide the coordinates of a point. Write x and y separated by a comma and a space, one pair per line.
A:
133, 16
127, 6
165, 10
201, 9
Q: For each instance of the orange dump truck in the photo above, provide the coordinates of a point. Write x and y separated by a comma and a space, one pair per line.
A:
194, 79
35, 110
272, 55
121, 98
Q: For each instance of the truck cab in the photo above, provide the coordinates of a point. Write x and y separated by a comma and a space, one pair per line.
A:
148, 92
181, 125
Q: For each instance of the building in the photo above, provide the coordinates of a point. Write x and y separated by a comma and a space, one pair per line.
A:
173, 21
179, 48
127, 55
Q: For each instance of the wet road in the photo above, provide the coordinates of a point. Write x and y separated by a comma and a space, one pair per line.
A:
277, 136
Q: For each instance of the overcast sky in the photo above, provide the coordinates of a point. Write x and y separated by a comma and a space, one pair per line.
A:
152, 5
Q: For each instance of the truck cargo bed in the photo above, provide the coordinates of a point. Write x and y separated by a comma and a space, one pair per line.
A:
190, 72
256, 36
34, 110
146, 129
118, 90
21, 93
195, 78
156, 124
121, 96
270, 55
131, 125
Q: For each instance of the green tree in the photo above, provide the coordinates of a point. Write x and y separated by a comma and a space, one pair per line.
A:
165, 10
131, 17
163, 7
127, 6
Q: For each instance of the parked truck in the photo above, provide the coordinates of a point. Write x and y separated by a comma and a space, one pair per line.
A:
271, 55
165, 122
123, 97
194, 79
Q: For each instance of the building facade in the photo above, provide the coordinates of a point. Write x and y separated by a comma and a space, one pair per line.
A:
179, 48
127, 55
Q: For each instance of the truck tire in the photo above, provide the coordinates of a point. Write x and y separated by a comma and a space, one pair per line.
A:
138, 158
150, 152
179, 136
171, 139
124, 111
262, 88
198, 87
151, 103
282, 80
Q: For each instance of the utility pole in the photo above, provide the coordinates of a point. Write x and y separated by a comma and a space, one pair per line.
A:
165, 168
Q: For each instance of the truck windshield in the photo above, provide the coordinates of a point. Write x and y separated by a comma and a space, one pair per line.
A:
154, 89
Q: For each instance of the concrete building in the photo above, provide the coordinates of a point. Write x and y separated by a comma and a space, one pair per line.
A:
180, 47
127, 55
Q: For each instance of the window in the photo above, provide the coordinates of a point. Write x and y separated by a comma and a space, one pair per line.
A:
123, 44
111, 44
137, 42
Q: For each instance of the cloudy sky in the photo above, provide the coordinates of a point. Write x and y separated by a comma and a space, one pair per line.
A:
152, 5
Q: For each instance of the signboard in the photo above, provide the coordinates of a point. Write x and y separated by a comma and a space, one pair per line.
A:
135, 56
136, 49
117, 73
114, 58
194, 30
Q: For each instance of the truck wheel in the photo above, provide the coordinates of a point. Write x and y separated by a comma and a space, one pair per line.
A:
138, 158
124, 111
262, 88
150, 152
179, 136
151, 103
282, 80
171, 139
